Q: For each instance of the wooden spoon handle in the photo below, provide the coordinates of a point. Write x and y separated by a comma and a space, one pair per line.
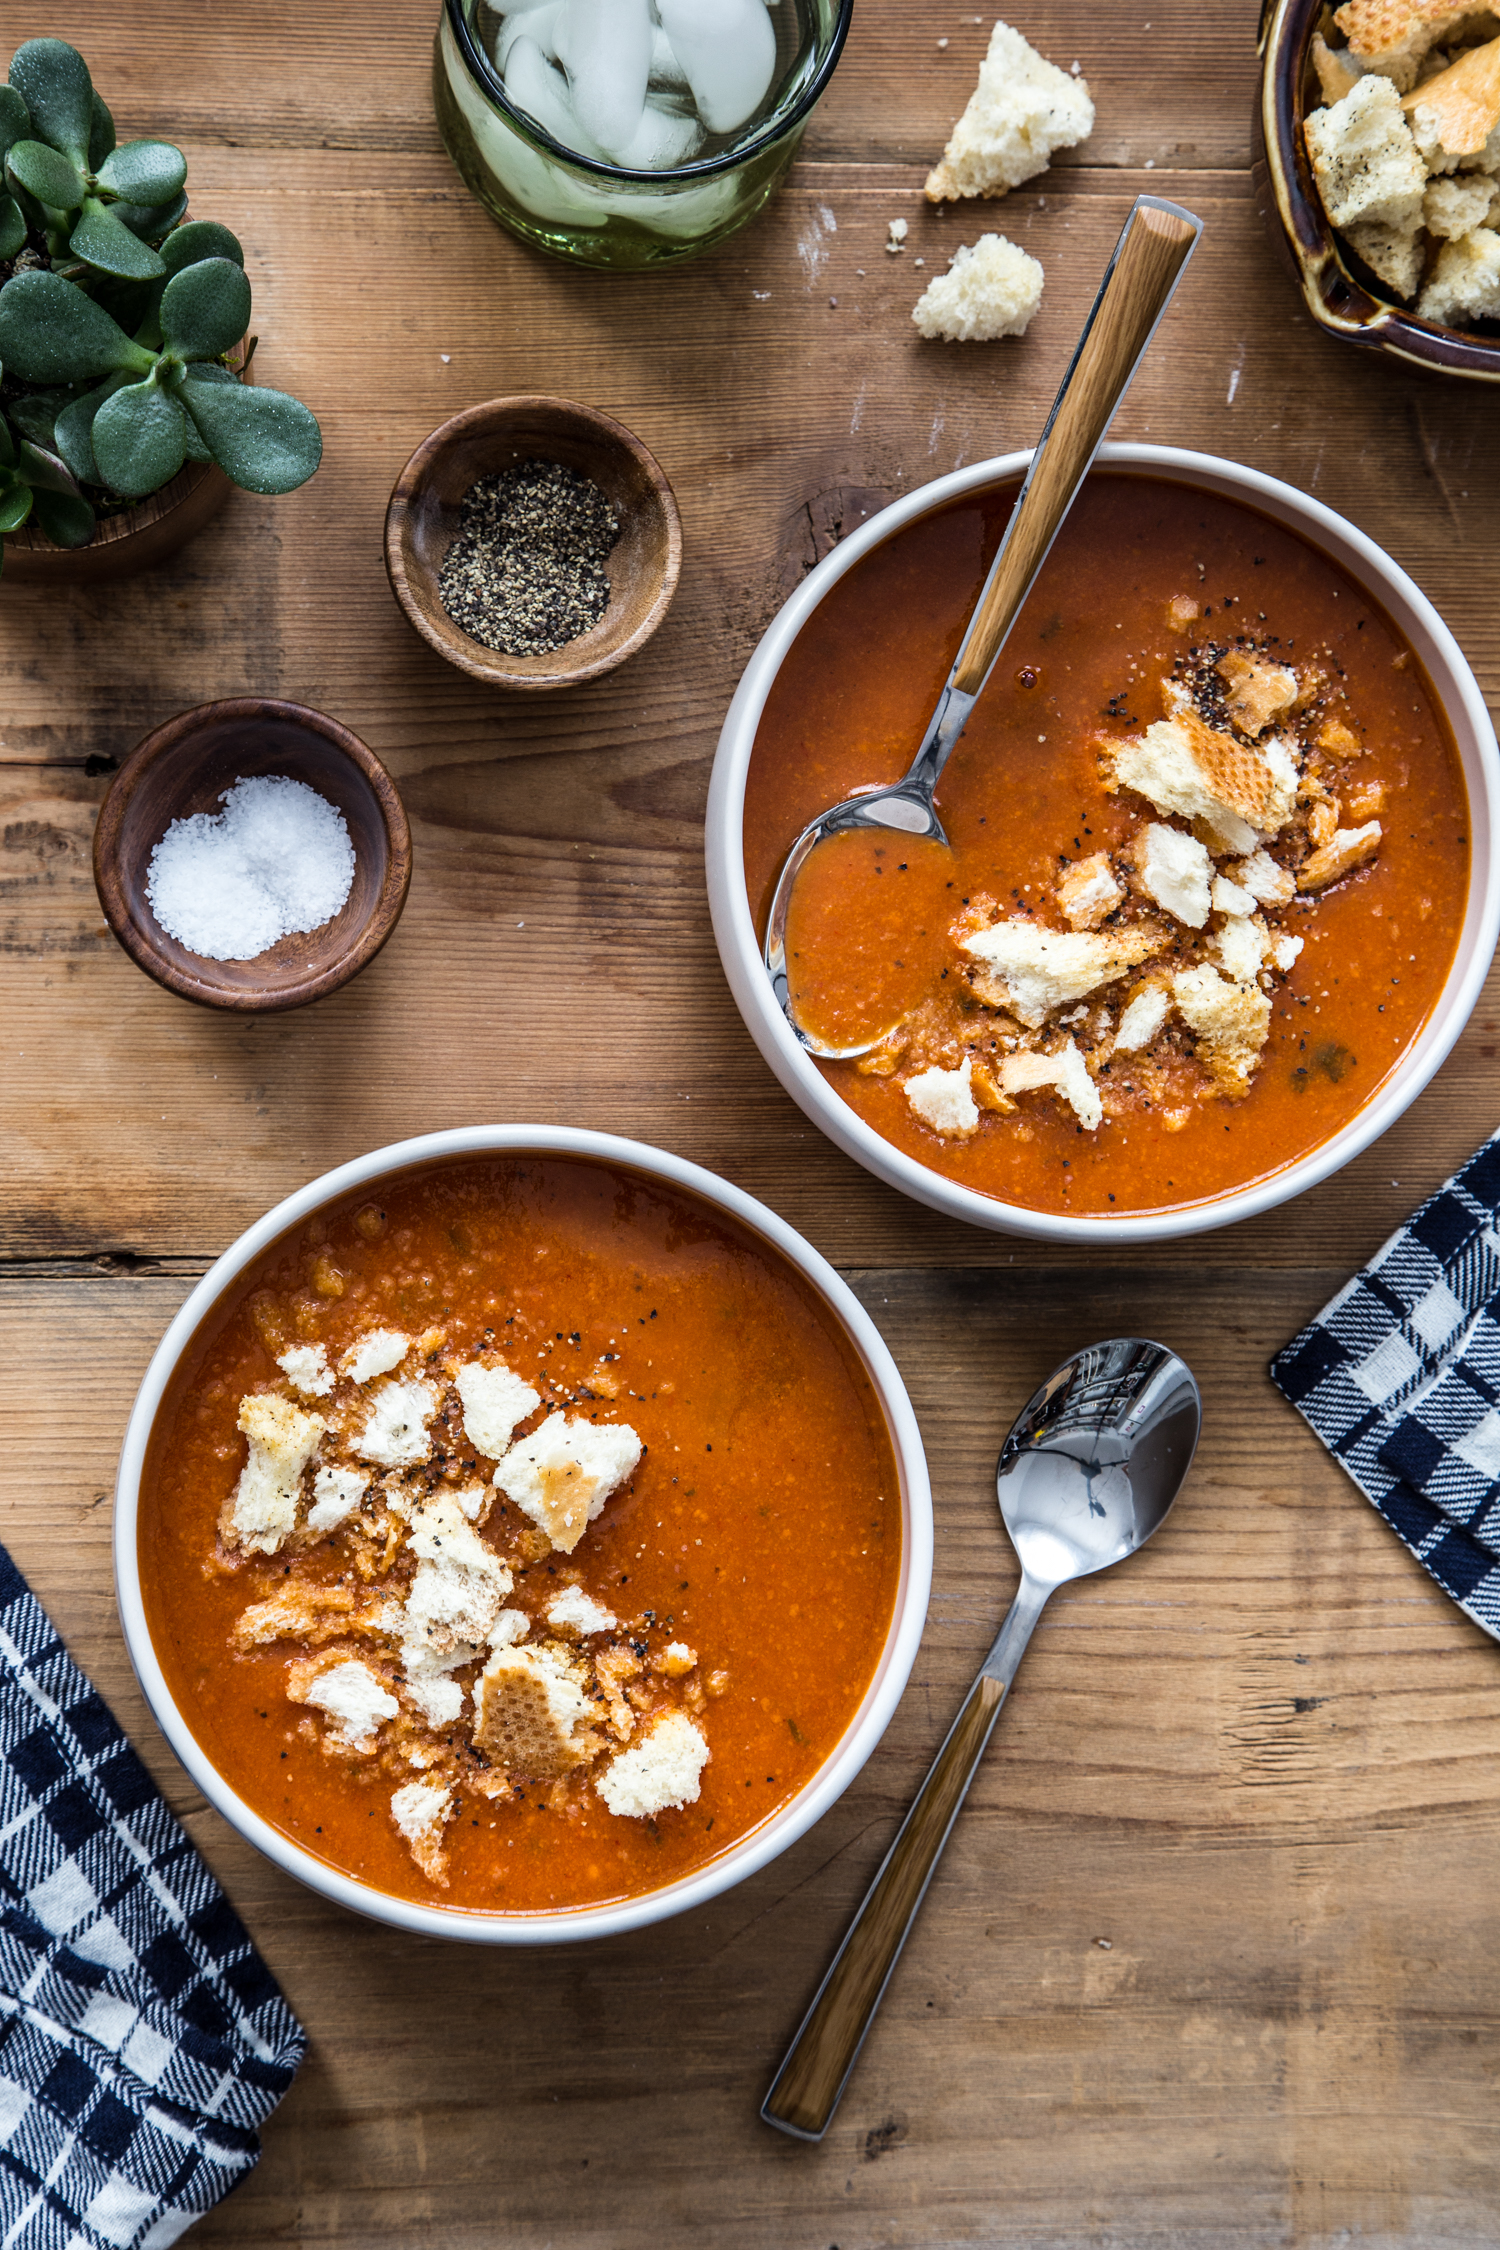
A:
806, 2089
1154, 247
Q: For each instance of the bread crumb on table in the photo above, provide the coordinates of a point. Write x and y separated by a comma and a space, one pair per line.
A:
991, 289
1021, 112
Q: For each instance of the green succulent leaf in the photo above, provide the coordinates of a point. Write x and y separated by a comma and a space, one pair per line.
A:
151, 221
43, 470
15, 119
139, 439
7, 447
72, 434
266, 441
48, 176
149, 172
210, 371
51, 332
15, 505
103, 241
204, 309
67, 518
200, 238
12, 227
53, 81
35, 414
101, 134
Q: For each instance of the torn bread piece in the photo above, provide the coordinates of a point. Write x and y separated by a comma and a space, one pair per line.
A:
1365, 159
298, 1611
1183, 766
564, 1472
1256, 691
1465, 283
991, 289
1232, 1022
1393, 254
375, 1354
1337, 69
1066, 1071
1145, 1013
1241, 947
1023, 110
395, 1436
1266, 880
460, 1582
532, 1711
1451, 208
1089, 891
944, 1099
660, 1773
1174, 869
349, 1695
494, 1401
1391, 36
1228, 898
1032, 970
1347, 849
261, 1512
336, 1495
307, 1366
422, 1811
574, 1611
1453, 115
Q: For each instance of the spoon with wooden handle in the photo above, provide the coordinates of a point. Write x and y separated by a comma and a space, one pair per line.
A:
1155, 244
1087, 1474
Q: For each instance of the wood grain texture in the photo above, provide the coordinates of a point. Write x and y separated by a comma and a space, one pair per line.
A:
1209, 1960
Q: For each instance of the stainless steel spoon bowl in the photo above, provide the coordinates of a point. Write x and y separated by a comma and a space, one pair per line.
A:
1087, 1474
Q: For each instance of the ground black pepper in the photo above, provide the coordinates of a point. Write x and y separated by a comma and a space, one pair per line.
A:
526, 573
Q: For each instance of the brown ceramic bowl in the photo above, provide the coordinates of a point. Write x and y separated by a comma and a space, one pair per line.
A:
1340, 293
184, 767
422, 521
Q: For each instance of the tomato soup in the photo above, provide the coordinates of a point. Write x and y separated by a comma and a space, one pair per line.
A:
521, 1535
1209, 851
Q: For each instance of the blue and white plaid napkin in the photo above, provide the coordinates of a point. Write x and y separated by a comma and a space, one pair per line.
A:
1400, 1378
142, 2038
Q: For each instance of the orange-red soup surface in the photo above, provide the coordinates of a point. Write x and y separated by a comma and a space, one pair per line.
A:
760, 1532
1149, 581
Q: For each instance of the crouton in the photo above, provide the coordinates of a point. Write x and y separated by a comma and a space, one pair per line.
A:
312, 1613
460, 1583
349, 1695
1322, 823
564, 1472
1174, 869
262, 1510
991, 289
1451, 208
1021, 112
987, 1092
1365, 801
1338, 740
1088, 892
1186, 767
1392, 36
1465, 282
395, 1435
1284, 951
438, 1700
1145, 1013
1241, 947
1032, 970
1348, 849
1067, 1071
1258, 692
336, 1495
1364, 158
944, 1100
676, 1660
1231, 1022
374, 1354
494, 1401
574, 1611
1454, 114
1183, 612
1336, 68
422, 1811
307, 1366
1228, 898
1266, 880
532, 1713
1393, 254
659, 1774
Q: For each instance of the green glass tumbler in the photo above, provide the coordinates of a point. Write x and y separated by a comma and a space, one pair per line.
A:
598, 214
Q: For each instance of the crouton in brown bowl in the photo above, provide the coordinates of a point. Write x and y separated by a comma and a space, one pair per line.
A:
1378, 170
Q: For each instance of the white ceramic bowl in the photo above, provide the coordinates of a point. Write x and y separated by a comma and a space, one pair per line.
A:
881, 1697
1457, 690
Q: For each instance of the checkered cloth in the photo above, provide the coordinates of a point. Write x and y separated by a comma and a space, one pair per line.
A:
1400, 1378
142, 2038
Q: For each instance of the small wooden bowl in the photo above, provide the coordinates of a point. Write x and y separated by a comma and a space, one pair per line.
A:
422, 522
184, 767
1340, 294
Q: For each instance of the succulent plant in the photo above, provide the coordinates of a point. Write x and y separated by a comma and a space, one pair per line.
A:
119, 318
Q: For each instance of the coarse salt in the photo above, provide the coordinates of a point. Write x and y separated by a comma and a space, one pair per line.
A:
275, 860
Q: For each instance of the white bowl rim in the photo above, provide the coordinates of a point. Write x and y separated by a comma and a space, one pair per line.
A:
734, 928
781, 1829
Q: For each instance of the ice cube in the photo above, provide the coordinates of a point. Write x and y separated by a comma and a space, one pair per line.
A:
539, 24
533, 85
664, 139
605, 47
666, 70
728, 49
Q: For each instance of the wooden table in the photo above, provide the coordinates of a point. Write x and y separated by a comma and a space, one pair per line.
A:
1210, 1960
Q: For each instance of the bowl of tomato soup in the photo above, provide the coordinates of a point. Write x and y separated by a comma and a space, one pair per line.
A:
522, 1535
1220, 891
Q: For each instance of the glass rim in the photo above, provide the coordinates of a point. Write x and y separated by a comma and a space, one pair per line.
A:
774, 129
